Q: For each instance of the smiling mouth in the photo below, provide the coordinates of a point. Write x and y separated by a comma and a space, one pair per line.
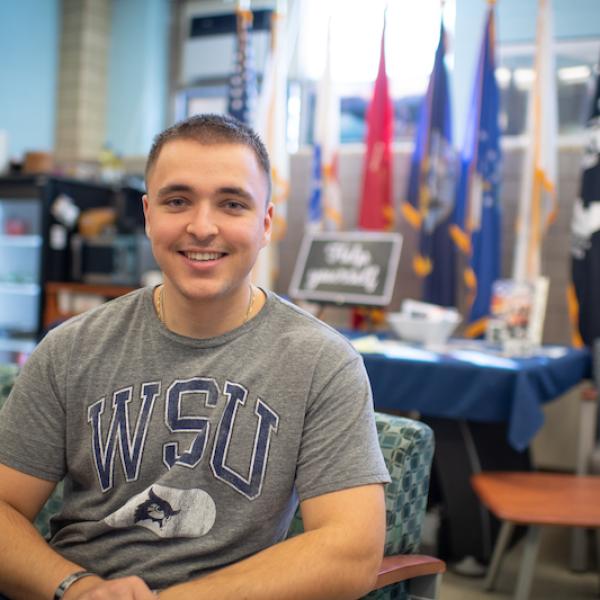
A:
203, 256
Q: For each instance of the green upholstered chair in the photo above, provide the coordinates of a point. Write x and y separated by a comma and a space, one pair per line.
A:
8, 373
407, 448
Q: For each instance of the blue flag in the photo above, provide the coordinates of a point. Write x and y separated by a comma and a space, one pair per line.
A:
242, 83
429, 204
477, 217
315, 207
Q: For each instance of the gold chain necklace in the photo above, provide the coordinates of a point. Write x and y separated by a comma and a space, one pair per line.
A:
160, 303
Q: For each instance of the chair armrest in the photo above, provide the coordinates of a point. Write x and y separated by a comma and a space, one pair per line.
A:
400, 567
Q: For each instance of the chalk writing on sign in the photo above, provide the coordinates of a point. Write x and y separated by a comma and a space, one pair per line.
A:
347, 267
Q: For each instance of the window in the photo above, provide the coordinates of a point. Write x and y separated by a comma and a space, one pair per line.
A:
575, 62
412, 33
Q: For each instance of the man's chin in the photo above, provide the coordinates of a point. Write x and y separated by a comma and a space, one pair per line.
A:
201, 293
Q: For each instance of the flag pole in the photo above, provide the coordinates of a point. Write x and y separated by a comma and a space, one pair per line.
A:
244, 12
537, 204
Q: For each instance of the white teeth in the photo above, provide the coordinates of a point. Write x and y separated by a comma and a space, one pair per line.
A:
202, 255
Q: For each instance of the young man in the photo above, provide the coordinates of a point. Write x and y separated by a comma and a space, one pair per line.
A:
188, 420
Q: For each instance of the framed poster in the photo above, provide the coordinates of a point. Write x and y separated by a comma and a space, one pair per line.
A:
347, 267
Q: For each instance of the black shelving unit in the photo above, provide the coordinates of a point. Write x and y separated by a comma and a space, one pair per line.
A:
34, 249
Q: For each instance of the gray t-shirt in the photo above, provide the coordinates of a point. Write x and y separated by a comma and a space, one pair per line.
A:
183, 455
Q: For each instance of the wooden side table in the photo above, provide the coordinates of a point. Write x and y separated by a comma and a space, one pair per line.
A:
535, 499
53, 289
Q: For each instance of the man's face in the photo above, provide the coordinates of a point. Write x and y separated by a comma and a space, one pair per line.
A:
206, 217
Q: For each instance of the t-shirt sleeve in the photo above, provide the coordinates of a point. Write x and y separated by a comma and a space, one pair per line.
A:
32, 421
340, 448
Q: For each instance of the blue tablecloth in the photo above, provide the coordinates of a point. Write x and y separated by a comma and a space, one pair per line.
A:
475, 385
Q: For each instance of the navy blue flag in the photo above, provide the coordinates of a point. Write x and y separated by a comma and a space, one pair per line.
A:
585, 247
477, 215
242, 83
315, 205
430, 196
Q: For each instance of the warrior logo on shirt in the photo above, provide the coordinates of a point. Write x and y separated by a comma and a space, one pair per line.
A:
167, 512
127, 439
154, 509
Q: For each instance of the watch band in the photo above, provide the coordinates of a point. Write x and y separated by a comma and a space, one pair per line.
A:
68, 581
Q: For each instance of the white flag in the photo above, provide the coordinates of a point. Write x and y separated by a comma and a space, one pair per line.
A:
325, 210
538, 187
271, 124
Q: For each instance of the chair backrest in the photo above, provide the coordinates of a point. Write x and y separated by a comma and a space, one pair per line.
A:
407, 448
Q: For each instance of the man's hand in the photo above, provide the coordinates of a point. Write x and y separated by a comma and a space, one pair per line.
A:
96, 588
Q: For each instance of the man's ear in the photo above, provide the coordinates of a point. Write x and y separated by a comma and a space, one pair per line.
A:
145, 207
268, 224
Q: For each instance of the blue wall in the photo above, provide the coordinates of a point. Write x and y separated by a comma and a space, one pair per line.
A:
29, 31
137, 75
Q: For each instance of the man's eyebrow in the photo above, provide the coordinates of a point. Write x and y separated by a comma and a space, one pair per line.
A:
184, 188
236, 191
174, 187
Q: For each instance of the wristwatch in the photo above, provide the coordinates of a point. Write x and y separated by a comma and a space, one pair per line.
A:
68, 581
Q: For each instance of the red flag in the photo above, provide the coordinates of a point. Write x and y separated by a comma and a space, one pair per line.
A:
376, 210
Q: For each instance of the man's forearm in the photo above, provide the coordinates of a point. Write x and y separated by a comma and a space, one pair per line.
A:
29, 569
315, 565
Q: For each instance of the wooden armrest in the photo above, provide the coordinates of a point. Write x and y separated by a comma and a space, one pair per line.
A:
406, 566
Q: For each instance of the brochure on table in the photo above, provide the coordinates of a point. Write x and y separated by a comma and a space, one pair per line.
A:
518, 310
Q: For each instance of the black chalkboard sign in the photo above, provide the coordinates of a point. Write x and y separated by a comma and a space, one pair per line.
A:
347, 267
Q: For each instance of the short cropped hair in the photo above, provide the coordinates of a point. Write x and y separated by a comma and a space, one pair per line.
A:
212, 129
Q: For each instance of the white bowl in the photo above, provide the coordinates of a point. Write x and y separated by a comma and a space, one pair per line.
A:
423, 331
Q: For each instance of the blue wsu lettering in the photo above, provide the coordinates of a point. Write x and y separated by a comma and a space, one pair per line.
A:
127, 439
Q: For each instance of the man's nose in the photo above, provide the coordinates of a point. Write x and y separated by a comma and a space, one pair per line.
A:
203, 222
